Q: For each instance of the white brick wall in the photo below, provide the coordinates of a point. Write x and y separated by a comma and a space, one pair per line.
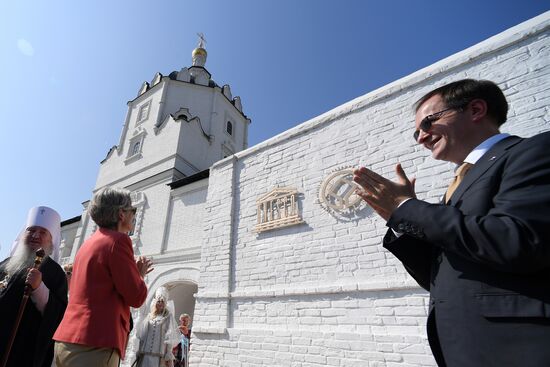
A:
186, 211
325, 292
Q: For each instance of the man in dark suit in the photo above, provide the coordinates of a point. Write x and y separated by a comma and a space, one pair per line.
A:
483, 253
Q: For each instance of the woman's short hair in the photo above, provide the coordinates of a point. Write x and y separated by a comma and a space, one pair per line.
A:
106, 204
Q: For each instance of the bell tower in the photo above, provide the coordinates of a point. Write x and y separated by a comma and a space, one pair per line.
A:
178, 125
182, 122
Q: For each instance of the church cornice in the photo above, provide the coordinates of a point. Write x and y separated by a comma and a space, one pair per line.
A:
146, 93
72, 220
201, 68
218, 89
153, 176
190, 179
182, 114
109, 153
168, 79
180, 256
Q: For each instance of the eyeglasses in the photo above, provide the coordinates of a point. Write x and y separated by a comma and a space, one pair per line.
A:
426, 123
131, 209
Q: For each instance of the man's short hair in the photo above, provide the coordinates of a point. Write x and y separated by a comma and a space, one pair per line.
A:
458, 94
106, 204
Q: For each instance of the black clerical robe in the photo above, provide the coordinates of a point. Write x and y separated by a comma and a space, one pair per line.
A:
33, 345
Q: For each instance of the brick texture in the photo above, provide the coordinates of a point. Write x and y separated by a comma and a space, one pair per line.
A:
325, 292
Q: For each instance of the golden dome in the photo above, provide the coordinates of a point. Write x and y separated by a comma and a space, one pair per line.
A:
199, 51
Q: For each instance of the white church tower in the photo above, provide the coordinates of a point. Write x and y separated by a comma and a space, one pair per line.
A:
175, 129
183, 122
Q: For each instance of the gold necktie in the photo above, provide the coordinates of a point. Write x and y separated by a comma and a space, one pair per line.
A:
459, 175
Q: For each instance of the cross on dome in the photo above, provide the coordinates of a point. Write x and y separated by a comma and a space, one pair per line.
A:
199, 54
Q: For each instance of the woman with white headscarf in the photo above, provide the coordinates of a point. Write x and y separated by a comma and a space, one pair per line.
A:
157, 333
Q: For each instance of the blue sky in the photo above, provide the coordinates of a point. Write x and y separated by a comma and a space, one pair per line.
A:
69, 67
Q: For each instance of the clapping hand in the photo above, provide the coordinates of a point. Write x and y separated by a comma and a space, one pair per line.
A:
383, 195
144, 265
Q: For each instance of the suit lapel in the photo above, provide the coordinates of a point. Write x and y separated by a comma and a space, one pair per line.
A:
496, 152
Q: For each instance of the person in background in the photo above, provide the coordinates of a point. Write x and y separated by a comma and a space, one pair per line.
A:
106, 281
68, 268
181, 351
33, 344
157, 333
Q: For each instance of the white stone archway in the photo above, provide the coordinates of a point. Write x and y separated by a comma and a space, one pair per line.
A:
170, 278
183, 295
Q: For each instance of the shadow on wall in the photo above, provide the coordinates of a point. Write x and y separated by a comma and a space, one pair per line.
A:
183, 295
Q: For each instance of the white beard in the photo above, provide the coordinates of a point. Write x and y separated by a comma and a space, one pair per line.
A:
23, 257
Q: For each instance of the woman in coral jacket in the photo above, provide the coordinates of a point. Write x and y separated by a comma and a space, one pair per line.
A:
106, 282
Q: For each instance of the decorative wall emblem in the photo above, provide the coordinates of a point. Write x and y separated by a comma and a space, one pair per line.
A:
337, 193
277, 209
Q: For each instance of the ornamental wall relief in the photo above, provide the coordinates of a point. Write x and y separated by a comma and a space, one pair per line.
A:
278, 208
337, 194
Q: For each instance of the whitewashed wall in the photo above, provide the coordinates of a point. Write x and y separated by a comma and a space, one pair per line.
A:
326, 292
68, 235
185, 217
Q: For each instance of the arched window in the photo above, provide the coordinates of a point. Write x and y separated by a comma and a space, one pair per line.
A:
229, 128
135, 149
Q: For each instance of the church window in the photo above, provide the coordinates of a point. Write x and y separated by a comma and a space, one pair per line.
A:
136, 148
229, 128
143, 113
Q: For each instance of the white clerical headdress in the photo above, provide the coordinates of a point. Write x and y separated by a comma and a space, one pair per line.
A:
44, 217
